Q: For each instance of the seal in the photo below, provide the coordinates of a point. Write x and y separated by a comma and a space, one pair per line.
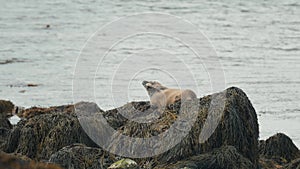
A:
161, 96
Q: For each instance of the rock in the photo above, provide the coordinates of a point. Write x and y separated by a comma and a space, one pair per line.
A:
4, 133
226, 157
12, 60
271, 163
32, 85
124, 164
238, 127
41, 135
33, 111
79, 156
15, 161
295, 164
45, 131
279, 148
6, 109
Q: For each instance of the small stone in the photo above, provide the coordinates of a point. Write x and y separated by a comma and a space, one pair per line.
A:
124, 164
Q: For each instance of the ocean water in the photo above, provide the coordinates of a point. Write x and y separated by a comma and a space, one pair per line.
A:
257, 44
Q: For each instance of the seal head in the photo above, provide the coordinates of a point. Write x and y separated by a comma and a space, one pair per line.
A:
153, 87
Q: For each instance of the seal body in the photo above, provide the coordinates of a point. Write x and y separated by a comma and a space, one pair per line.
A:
162, 96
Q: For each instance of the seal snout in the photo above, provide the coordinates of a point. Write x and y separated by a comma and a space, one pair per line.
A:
144, 83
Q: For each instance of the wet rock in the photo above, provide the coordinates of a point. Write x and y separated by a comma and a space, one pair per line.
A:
33, 111
236, 125
4, 133
12, 60
24, 84
271, 163
295, 164
6, 109
16, 161
32, 85
226, 157
45, 133
124, 164
280, 148
79, 156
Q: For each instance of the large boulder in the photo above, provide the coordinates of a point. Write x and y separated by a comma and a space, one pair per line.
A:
278, 151
226, 157
222, 119
79, 156
279, 146
6, 110
41, 135
237, 126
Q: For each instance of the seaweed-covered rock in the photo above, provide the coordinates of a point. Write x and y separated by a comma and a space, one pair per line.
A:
6, 110
237, 126
274, 163
227, 117
34, 111
226, 157
4, 133
43, 134
16, 161
280, 148
295, 164
79, 156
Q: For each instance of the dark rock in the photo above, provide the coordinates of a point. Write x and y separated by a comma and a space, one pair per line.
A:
33, 111
41, 135
45, 131
4, 133
274, 163
6, 109
226, 157
280, 148
32, 85
79, 156
12, 60
295, 164
237, 126
16, 161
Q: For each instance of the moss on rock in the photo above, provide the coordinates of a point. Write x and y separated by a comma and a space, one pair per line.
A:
45, 133
279, 147
226, 157
16, 161
79, 156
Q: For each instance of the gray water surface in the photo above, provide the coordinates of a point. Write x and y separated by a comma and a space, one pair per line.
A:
256, 42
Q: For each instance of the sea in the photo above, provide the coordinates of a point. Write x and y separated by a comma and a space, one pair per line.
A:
49, 49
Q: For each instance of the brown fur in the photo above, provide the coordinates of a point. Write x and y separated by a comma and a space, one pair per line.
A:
162, 96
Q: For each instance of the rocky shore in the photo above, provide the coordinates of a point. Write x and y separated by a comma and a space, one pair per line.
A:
54, 138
